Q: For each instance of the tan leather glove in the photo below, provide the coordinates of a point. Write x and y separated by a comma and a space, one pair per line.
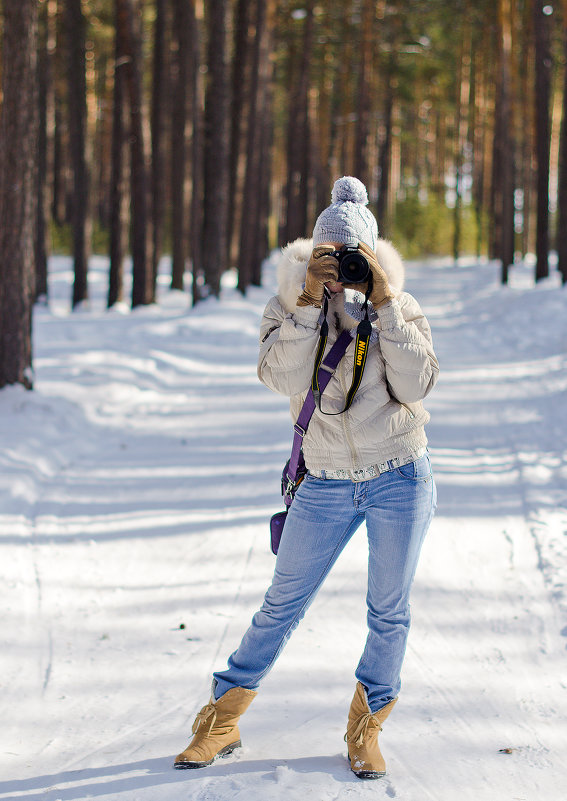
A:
381, 290
321, 268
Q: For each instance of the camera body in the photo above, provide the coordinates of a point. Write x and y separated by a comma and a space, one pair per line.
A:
353, 265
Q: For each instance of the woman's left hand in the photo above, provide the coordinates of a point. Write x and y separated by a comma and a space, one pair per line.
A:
381, 290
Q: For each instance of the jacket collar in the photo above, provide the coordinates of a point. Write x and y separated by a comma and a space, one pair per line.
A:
292, 266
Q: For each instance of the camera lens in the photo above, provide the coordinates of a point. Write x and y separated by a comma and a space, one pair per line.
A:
353, 268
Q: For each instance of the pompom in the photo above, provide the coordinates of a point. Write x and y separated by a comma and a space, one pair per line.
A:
349, 189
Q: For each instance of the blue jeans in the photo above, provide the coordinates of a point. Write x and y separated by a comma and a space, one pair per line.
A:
398, 507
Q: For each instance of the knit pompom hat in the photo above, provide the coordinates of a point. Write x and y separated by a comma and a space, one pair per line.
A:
347, 219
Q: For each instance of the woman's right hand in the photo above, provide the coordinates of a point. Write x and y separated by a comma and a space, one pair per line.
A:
321, 268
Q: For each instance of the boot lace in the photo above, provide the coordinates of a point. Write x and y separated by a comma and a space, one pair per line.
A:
208, 711
359, 729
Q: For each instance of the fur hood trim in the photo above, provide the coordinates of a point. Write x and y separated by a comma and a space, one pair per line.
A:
292, 266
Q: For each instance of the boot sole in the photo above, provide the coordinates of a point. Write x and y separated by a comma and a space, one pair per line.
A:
368, 774
224, 752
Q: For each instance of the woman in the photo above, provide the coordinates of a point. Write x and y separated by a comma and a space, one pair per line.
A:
367, 463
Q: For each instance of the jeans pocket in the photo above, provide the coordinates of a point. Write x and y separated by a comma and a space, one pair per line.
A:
420, 470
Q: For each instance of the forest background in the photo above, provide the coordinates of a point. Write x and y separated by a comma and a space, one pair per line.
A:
213, 131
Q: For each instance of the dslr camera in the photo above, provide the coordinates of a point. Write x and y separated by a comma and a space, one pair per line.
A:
353, 266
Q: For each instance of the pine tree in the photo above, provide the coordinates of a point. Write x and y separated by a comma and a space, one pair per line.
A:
562, 191
118, 192
75, 42
128, 24
216, 172
18, 147
543, 133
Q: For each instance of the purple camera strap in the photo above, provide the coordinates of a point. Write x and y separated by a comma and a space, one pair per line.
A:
326, 370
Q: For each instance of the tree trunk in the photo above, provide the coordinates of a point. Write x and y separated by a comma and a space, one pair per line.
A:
118, 194
341, 58
60, 166
75, 28
129, 19
253, 189
562, 191
18, 148
157, 123
262, 242
240, 104
461, 135
298, 138
479, 113
384, 158
197, 138
215, 222
503, 174
183, 21
542, 129
100, 76
526, 167
363, 104
44, 86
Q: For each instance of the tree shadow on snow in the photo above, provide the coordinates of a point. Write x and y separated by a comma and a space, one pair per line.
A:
109, 780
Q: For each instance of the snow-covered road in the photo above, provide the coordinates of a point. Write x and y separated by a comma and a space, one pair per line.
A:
136, 484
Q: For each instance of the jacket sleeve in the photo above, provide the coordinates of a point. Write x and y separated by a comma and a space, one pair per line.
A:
288, 344
412, 368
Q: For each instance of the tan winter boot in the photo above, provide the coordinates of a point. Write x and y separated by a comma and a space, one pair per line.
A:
366, 761
215, 729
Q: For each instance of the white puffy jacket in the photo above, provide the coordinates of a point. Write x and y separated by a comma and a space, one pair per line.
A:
387, 418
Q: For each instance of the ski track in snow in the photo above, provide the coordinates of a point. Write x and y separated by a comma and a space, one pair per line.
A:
136, 484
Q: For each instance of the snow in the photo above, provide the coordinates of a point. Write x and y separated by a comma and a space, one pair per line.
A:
136, 484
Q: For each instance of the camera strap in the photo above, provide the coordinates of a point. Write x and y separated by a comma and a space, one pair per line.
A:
361, 345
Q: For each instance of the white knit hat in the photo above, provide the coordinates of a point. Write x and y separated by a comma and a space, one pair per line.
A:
347, 219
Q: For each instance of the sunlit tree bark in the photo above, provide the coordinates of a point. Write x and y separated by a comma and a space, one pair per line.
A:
18, 147
118, 191
542, 133
503, 158
253, 187
298, 134
562, 191
46, 123
128, 21
215, 222
159, 98
75, 30
239, 108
